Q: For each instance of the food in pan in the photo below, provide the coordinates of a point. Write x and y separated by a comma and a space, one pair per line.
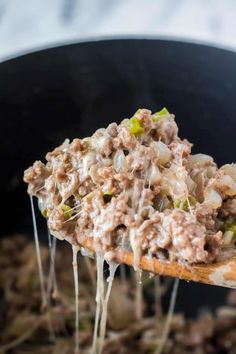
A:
136, 186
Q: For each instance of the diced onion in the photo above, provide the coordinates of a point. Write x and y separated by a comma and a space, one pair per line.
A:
100, 143
230, 169
200, 160
99, 132
228, 182
213, 198
162, 151
119, 160
64, 146
154, 175
174, 186
88, 160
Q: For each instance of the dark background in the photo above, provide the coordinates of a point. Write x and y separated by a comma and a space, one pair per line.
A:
71, 91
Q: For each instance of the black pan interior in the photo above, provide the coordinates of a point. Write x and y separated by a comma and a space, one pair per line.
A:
72, 90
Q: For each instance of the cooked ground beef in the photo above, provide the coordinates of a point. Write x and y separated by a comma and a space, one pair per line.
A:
140, 178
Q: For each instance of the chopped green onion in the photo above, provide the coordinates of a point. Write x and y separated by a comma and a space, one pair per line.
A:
136, 127
44, 213
159, 115
183, 203
134, 124
77, 195
137, 112
163, 112
229, 238
230, 225
178, 203
68, 212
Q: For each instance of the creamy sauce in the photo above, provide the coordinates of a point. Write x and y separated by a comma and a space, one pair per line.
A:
75, 250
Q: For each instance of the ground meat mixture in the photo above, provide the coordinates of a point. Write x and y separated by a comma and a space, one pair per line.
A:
228, 208
136, 185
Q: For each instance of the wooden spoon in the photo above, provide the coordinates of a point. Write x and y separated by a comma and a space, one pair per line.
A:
221, 273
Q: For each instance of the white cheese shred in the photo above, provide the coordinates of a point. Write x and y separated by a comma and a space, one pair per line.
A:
75, 250
169, 316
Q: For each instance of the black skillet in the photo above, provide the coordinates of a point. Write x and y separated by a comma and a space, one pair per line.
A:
72, 90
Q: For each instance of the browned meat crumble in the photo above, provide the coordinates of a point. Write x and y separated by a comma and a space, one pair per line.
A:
136, 185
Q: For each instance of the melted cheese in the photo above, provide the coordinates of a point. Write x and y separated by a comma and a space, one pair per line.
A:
168, 317
52, 282
75, 250
112, 269
38, 255
138, 294
99, 298
44, 302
